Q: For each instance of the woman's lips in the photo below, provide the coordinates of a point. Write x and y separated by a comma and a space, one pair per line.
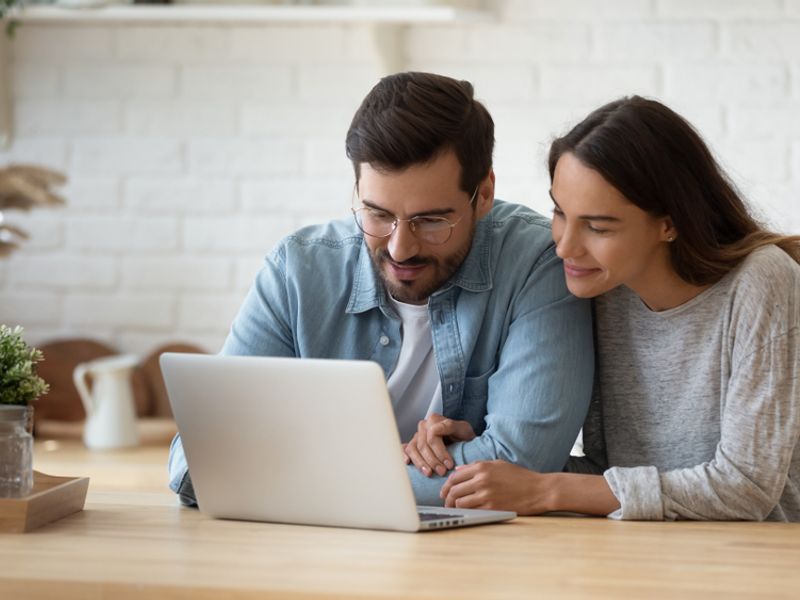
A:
575, 271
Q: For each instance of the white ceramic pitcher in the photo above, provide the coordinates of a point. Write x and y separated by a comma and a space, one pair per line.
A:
110, 412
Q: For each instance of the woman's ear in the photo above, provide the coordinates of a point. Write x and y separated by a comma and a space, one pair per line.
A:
485, 196
668, 231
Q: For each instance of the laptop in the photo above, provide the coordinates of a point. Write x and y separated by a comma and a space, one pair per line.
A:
304, 441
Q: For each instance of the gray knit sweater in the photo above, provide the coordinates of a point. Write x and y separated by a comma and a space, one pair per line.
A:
697, 409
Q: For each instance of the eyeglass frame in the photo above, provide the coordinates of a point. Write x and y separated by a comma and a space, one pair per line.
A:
411, 220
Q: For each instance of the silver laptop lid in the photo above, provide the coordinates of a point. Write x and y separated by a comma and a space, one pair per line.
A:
291, 440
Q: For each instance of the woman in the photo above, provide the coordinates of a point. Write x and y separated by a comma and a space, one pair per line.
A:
696, 413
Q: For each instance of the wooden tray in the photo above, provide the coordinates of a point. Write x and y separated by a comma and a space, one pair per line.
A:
51, 499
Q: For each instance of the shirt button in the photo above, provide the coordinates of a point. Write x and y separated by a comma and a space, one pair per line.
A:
384, 340
450, 388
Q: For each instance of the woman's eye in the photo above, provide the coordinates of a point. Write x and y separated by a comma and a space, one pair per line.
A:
596, 230
557, 212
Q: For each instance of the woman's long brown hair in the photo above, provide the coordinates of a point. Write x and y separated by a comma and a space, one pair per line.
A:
657, 160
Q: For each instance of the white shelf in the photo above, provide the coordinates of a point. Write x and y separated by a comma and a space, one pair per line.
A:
250, 14
386, 24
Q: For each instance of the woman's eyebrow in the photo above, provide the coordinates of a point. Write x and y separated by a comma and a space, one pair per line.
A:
607, 218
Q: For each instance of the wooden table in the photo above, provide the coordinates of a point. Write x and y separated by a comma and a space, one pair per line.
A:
132, 540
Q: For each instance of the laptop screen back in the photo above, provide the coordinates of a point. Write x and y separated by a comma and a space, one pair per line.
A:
290, 440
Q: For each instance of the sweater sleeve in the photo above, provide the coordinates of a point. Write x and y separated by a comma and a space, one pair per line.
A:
745, 478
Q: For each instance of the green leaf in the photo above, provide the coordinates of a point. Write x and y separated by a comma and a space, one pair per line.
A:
19, 383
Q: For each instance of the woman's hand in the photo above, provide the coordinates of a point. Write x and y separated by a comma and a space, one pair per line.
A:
428, 448
498, 485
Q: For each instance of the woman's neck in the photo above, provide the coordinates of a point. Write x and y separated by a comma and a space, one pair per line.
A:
664, 289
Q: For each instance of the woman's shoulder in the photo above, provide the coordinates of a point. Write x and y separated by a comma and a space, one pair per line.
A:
764, 292
767, 272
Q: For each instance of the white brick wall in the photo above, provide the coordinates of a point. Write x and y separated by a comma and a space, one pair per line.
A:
141, 311
576, 9
179, 195
192, 149
62, 271
211, 82
760, 40
232, 234
37, 309
47, 150
179, 273
90, 195
119, 156
35, 81
722, 10
714, 81
592, 84
122, 234
237, 156
34, 117
161, 45
649, 41
119, 81
180, 118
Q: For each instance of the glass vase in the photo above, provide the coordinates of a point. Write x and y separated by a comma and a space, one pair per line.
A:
16, 451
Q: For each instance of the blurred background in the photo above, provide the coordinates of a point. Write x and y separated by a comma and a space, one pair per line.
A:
191, 145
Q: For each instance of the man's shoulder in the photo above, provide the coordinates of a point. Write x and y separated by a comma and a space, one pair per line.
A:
338, 234
520, 231
511, 215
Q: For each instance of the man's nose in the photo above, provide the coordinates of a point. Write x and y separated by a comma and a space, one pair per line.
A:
403, 244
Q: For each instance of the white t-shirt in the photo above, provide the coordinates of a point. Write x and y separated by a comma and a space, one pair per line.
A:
414, 386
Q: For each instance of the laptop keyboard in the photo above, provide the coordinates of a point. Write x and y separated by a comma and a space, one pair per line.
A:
432, 516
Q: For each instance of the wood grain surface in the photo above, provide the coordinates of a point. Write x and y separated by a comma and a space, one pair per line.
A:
137, 542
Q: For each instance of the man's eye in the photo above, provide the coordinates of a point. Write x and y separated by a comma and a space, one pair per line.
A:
379, 215
426, 223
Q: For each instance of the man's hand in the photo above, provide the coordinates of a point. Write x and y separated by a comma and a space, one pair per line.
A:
498, 485
428, 448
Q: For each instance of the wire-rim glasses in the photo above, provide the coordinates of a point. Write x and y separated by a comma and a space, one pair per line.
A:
378, 223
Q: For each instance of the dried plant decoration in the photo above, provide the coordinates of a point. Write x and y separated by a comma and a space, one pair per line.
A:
25, 187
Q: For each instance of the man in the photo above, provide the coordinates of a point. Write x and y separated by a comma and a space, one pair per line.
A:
460, 298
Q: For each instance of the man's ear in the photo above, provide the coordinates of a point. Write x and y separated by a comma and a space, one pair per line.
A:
485, 197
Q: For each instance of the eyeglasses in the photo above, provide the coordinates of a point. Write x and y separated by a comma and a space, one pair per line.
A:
433, 230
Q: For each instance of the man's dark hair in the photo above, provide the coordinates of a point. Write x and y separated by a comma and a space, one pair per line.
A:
410, 118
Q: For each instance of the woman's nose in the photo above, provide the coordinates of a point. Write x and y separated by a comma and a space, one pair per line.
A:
567, 243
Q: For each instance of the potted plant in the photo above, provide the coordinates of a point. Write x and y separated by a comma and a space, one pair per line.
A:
9, 10
19, 386
19, 383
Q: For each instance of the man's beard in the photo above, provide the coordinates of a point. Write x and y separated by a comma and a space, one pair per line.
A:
408, 291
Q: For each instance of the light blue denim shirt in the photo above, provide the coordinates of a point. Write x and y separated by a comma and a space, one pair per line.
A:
513, 347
